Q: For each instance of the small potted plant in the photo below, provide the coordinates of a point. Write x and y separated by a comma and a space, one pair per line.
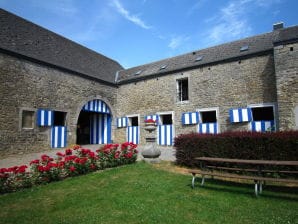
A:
149, 122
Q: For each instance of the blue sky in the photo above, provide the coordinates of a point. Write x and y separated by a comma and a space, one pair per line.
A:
136, 32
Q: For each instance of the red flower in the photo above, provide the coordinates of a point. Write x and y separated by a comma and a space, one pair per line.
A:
92, 166
68, 152
150, 121
22, 169
60, 154
34, 162
72, 169
45, 158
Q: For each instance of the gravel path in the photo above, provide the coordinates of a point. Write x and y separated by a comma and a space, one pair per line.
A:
167, 154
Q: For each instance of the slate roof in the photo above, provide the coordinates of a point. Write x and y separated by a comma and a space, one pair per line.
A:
259, 44
25, 38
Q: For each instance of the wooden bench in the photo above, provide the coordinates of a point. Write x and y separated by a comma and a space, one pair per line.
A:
256, 174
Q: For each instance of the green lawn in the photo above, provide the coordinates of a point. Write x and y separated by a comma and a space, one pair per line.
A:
142, 193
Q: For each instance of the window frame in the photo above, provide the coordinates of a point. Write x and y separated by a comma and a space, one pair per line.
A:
22, 110
179, 90
209, 109
275, 113
129, 122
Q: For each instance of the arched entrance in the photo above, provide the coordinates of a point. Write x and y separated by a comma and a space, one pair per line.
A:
94, 123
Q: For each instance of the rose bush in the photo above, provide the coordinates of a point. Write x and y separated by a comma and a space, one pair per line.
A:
73, 161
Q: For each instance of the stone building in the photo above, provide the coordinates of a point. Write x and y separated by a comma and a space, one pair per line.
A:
55, 93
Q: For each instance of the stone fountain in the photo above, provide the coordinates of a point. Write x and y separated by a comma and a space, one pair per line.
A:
150, 151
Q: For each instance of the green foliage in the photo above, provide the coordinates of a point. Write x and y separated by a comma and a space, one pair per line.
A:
239, 145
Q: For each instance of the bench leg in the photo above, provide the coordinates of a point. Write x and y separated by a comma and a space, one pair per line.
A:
260, 187
193, 180
256, 188
203, 180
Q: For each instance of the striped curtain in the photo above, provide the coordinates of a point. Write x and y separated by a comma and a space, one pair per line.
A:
190, 118
262, 126
58, 136
133, 134
240, 115
96, 106
165, 134
45, 117
208, 128
100, 128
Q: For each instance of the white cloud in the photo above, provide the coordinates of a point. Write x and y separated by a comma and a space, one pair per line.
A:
232, 21
176, 41
127, 15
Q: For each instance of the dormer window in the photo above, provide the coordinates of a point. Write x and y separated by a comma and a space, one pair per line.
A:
163, 67
244, 48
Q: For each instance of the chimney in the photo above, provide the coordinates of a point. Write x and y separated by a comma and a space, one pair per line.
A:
278, 26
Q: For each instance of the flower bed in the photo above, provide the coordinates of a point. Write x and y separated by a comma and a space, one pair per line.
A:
73, 161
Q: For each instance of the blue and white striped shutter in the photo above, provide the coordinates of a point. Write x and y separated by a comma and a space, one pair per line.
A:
45, 117
100, 129
133, 134
208, 128
58, 137
96, 106
240, 115
165, 134
153, 117
262, 126
122, 122
190, 118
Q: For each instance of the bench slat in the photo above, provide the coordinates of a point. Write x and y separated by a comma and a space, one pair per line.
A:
256, 178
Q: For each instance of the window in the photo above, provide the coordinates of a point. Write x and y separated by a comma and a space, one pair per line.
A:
27, 119
133, 121
59, 118
263, 113
208, 116
182, 89
166, 119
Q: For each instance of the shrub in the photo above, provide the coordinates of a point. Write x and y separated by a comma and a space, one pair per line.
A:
240, 145
74, 161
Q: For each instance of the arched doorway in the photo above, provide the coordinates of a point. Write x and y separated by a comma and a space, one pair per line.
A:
94, 123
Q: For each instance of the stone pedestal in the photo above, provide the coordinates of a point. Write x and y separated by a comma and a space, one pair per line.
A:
150, 151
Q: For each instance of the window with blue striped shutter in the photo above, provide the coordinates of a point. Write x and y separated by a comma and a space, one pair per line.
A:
45, 117
122, 122
240, 115
59, 137
262, 126
208, 128
165, 134
133, 134
190, 118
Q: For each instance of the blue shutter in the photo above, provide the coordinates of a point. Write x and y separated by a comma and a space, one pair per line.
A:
96, 106
208, 128
165, 134
132, 134
240, 115
262, 126
45, 117
100, 129
122, 122
190, 118
58, 136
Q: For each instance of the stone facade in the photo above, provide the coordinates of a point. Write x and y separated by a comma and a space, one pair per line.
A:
222, 86
26, 85
286, 68
42, 70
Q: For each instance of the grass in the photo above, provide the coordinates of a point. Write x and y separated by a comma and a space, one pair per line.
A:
143, 193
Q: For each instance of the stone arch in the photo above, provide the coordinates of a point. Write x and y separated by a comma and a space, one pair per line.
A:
93, 119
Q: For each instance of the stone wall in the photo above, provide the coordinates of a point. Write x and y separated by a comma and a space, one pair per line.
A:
26, 85
286, 67
223, 86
